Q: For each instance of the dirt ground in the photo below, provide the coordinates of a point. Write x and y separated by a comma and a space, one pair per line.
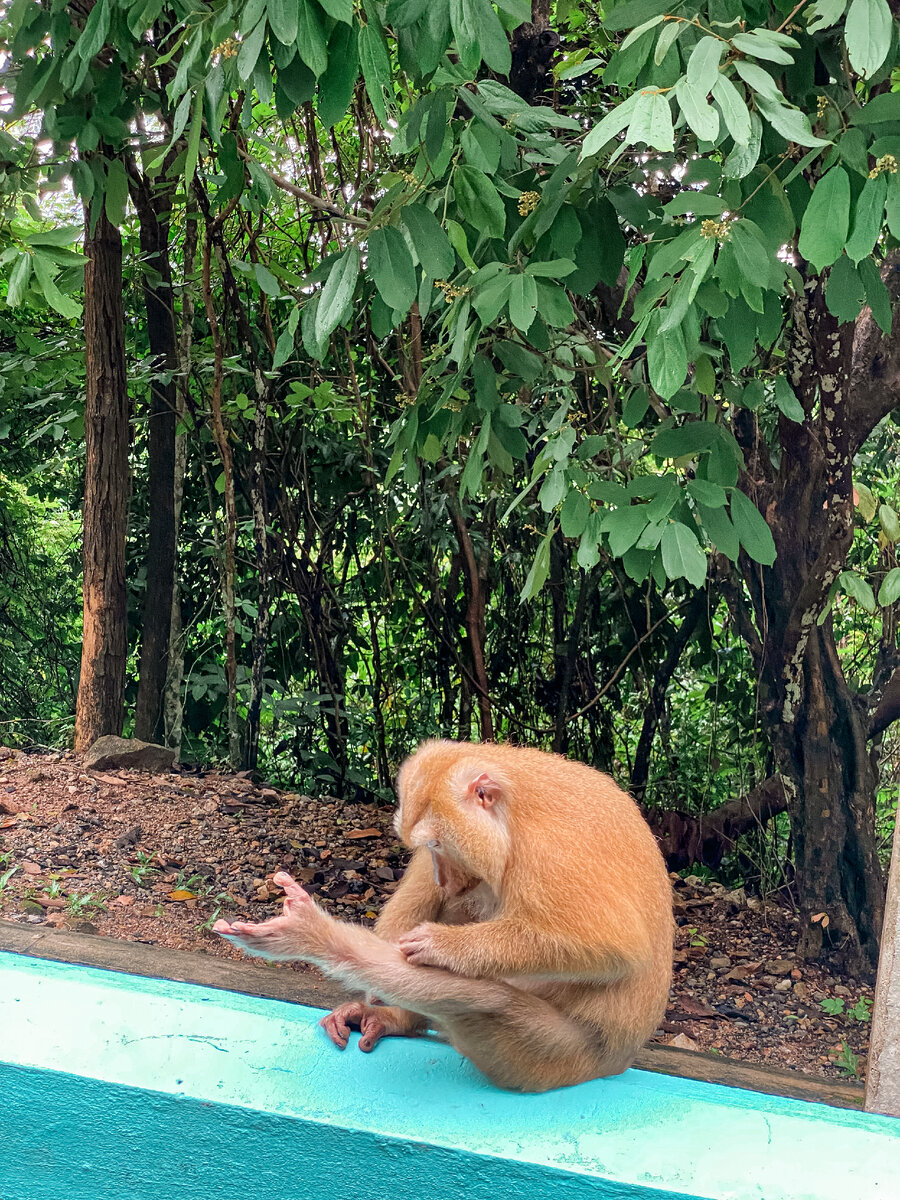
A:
157, 858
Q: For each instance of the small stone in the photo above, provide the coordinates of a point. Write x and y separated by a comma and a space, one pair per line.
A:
779, 966
737, 975
720, 963
115, 753
800, 990
840, 990
783, 985
735, 900
683, 1042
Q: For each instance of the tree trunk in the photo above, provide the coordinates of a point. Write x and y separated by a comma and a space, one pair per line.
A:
152, 207
818, 729
173, 705
831, 786
100, 707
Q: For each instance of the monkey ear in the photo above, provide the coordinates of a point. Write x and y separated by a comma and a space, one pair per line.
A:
484, 790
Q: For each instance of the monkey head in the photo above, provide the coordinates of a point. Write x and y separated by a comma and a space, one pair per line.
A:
453, 805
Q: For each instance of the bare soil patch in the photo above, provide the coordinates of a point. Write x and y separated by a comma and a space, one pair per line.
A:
156, 858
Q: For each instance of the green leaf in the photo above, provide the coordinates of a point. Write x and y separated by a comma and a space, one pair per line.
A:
857, 587
877, 296
429, 240
540, 568
249, 51
845, 293
824, 13
681, 554
889, 592
574, 514
116, 193
867, 218
612, 124
18, 280
554, 268
285, 344
734, 110
96, 27
341, 10
703, 65
757, 44
479, 201
192, 153
865, 502
522, 302
826, 220
707, 493
479, 34
44, 269
376, 68
282, 16
759, 80
680, 440
755, 535
787, 401
652, 121
700, 115
791, 123
719, 529
391, 268
311, 42
337, 293
666, 359
554, 305
624, 526
867, 32
337, 83
636, 12
890, 522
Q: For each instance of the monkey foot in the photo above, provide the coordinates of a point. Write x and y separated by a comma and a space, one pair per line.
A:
371, 1024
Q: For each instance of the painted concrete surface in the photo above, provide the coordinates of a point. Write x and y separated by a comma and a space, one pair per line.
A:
113, 1086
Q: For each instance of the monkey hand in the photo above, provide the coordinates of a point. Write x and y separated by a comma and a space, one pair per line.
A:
292, 935
424, 946
373, 1023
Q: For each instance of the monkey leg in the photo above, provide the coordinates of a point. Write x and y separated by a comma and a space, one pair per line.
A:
517, 1039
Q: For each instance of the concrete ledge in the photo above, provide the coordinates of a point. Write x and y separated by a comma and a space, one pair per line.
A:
279, 982
116, 1086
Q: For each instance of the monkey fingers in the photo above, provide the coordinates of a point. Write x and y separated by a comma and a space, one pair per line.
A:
288, 936
420, 947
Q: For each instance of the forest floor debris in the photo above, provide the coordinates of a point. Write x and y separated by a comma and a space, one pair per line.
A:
158, 858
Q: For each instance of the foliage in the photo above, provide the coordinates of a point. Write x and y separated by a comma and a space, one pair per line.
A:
501, 346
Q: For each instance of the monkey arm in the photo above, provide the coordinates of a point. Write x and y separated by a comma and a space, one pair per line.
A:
417, 899
506, 948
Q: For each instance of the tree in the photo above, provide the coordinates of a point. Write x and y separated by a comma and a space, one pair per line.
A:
101, 690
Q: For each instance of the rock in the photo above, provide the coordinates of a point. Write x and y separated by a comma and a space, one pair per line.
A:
115, 753
780, 966
737, 975
735, 900
720, 963
840, 990
130, 837
783, 985
800, 990
683, 1042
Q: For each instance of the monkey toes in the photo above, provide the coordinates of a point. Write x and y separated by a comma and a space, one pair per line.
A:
371, 1024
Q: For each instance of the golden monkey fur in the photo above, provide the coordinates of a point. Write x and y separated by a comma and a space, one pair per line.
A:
532, 928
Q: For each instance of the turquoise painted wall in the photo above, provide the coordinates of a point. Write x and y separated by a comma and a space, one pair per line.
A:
113, 1086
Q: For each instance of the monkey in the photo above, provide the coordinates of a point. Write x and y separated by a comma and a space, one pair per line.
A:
532, 929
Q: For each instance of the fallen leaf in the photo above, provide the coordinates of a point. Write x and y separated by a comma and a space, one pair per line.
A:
363, 833
9, 822
31, 868
182, 895
124, 901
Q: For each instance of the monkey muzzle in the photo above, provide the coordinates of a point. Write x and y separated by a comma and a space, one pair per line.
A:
451, 877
